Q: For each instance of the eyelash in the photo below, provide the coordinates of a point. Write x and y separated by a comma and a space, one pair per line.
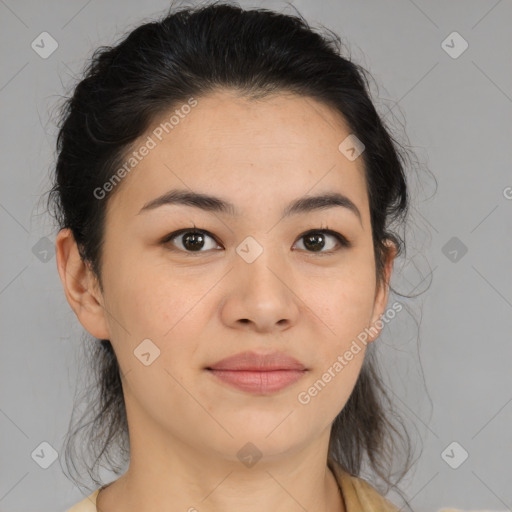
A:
342, 241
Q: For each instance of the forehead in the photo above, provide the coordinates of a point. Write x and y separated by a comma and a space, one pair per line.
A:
282, 146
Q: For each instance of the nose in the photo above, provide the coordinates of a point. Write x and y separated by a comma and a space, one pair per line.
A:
261, 296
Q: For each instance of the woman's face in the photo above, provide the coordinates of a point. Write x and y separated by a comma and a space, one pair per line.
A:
252, 282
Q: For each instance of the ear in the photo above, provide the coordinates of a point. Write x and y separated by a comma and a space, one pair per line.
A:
382, 291
80, 286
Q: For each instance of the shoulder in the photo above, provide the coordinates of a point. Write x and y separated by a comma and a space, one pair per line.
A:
358, 494
368, 497
88, 504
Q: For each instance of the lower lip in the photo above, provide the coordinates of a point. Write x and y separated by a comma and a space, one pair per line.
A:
261, 383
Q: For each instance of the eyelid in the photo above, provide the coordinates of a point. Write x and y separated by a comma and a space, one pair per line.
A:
169, 237
342, 240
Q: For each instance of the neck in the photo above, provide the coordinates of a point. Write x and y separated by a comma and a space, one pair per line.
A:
290, 485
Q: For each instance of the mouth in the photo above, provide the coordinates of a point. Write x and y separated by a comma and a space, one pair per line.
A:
258, 382
255, 373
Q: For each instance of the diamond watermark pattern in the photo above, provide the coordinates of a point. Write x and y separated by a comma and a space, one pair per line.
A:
44, 455
454, 249
44, 249
249, 455
351, 147
454, 455
44, 45
146, 352
249, 249
454, 45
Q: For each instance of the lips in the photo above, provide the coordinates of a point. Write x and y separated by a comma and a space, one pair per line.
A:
260, 374
253, 362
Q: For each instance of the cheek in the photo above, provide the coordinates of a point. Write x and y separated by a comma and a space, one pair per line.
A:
343, 305
154, 296
168, 314
327, 391
145, 303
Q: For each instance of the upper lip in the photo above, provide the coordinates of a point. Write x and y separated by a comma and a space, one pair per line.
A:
252, 361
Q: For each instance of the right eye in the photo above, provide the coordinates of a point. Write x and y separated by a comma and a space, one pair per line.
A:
190, 240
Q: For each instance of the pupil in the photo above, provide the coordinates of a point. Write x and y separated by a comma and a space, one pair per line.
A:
314, 242
194, 238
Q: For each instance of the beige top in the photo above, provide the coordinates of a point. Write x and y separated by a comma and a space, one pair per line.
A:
358, 494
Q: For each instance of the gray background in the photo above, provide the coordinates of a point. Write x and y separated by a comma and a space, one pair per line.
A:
457, 116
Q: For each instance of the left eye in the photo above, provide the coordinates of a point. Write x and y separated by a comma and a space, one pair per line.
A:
195, 240
316, 240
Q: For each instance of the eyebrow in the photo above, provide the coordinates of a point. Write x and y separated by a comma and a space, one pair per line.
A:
305, 204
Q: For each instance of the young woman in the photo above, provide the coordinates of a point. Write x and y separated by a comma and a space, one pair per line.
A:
224, 189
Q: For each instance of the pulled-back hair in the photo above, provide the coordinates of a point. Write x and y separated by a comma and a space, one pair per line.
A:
189, 52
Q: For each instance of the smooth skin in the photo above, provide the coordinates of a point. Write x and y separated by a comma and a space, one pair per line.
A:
198, 307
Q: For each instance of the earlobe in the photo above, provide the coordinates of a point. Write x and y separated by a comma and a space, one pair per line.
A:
80, 286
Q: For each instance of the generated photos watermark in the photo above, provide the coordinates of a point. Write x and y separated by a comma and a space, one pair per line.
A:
151, 142
304, 397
